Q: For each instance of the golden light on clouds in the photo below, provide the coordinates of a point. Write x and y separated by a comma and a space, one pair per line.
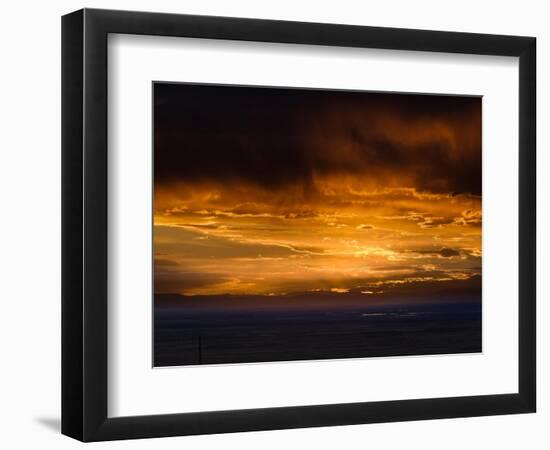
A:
254, 247
257, 193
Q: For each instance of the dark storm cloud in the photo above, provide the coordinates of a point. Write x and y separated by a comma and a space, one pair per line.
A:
271, 138
449, 252
443, 252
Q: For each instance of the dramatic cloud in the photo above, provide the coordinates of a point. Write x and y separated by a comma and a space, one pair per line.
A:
286, 137
284, 191
443, 252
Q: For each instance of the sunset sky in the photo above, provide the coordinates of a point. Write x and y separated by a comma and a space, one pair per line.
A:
281, 191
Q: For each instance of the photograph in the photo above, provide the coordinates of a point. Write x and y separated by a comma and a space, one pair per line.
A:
244, 225
294, 224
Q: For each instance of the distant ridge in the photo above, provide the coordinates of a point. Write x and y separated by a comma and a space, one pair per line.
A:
433, 292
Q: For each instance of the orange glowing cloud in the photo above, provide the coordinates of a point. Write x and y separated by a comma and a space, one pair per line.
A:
277, 192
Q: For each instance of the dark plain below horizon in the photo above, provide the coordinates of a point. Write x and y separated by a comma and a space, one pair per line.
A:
233, 329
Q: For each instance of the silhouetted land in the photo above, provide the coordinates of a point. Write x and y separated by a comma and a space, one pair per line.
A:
238, 329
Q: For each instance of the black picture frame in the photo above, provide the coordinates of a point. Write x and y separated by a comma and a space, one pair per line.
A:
84, 224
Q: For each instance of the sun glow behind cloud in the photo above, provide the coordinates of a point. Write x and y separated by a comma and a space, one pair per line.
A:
255, 248
347, 194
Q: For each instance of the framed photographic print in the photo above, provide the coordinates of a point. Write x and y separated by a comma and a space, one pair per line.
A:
273, 224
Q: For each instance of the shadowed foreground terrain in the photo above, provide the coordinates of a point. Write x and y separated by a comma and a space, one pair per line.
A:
215, 330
